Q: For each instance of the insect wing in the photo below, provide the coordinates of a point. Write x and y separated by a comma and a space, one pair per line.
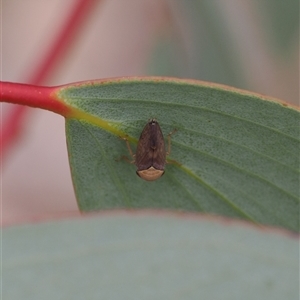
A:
143, 155
151, 148
159, 151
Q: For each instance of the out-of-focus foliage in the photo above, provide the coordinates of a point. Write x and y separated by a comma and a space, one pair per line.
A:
248, 44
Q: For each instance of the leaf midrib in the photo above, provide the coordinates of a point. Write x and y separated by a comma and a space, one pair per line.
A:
183, 105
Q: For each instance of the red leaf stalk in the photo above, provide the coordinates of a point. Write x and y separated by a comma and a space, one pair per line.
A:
77, 17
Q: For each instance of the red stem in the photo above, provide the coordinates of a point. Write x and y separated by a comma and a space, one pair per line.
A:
14, 121
34, 96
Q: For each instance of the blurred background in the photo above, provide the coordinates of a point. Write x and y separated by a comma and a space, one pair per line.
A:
248, 44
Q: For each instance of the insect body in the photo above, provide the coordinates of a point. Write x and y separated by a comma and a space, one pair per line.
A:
150, 157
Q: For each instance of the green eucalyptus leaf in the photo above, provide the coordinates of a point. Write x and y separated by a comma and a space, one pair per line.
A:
237, 152
148, 257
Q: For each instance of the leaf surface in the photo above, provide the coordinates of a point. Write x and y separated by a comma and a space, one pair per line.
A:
148, 257
238, 152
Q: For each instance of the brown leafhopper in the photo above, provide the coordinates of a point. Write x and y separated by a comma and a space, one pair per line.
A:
150, 157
